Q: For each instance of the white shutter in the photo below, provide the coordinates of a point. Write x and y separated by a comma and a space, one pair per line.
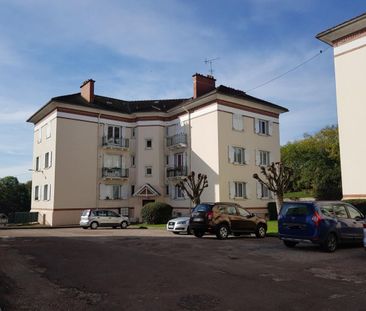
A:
259, 190
256, 125
50, 157
40, 193
232, 190
39, 138
247, 156
171, 160
270, 128
171, 192
247, 190
257, 157
269, 158
231, 154
123, 162
49, 192
124, 191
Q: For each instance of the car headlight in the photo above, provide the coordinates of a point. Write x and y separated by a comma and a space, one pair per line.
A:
182, 222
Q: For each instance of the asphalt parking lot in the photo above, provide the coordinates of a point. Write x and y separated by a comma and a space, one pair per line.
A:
134, 269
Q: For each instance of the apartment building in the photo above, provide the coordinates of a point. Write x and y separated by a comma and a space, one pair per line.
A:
93, 151
349, 42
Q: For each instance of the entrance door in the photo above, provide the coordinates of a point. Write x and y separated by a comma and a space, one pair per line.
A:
144, 202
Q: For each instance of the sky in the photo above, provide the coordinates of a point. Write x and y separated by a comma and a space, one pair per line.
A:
142, 49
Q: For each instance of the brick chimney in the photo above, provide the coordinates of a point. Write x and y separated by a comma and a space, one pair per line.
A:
202, 84
87, 90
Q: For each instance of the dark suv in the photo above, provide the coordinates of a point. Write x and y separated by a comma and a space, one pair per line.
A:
324, 223
223, 219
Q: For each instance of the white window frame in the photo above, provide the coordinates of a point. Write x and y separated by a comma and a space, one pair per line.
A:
37, 166
237, 155
264, 158
46, 192
39, 135
48, 159
36, 193
48, 130
178, 193
238, 122
238, 190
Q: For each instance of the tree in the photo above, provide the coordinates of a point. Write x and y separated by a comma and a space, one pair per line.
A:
276, 178
14, 196
194, 188
315, 161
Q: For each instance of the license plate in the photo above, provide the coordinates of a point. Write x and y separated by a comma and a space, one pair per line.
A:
198, 219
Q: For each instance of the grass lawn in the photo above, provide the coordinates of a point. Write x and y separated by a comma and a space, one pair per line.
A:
272, 226
143, 226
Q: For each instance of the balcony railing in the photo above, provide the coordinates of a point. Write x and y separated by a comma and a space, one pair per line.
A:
116, 142
177, 171
115, 172
179, 140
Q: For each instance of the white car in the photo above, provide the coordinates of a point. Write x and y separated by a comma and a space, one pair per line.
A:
178, 225
102, 218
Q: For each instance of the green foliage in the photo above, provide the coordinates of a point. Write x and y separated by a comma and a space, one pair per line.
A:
14, 196
315, 161
156, 213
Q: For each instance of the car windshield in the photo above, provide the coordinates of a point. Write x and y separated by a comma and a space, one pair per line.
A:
203, 208
85, 213
296, 210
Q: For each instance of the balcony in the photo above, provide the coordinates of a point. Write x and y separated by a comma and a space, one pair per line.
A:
114, 172
177, 141
177, 172
112, 142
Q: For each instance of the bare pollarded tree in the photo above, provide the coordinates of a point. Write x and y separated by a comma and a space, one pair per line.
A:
194, 187
276, 177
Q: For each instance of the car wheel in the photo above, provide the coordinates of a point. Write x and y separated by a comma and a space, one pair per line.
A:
222, 232
330, 244
290, 244
260, 232
124, 224
94, 225
198, 233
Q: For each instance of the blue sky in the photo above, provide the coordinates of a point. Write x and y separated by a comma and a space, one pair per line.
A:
150, 49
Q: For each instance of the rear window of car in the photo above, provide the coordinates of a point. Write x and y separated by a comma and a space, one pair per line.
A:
203, 208
85, 213
296, 210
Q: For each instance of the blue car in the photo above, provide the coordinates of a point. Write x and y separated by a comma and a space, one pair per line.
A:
320, 222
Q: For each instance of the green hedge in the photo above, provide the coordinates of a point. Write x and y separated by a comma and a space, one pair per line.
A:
156, 213
272, 211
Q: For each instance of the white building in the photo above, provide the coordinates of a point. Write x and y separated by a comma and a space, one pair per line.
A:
349, 42
93, 151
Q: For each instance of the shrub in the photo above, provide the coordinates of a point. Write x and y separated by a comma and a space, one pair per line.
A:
156, 213
272, 211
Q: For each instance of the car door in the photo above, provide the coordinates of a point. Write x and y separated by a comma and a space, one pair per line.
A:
246, 221
103, 218
234, 218
344, 223
113, 218
357, 221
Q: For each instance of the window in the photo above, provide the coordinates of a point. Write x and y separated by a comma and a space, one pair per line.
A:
116, 192
39, 135
263, 127
178, 160
148, 143
238, 122
231, 210
48, 130
340, 211
353, 213
148, 171
46, 192
264, 158
37, 164
113, 192
236, 155
133, 161
240, 189
243, 212
132, 189
179, 194
112, 161
124, 211
133, 132
167, 160
167, 190
263, 192
114, 134
36, 193
47, 159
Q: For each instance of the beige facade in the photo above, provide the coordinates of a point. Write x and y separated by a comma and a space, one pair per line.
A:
103, 156
349, 42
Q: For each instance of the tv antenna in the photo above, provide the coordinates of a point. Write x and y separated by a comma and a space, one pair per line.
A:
210, 61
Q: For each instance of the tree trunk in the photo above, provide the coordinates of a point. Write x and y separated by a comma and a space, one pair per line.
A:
279, 201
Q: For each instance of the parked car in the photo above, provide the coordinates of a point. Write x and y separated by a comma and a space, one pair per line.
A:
178, 225
102, 218
224, 219
364, 235
323, 223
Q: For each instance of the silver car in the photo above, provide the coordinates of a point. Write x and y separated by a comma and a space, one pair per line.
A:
102, 218
178, 225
